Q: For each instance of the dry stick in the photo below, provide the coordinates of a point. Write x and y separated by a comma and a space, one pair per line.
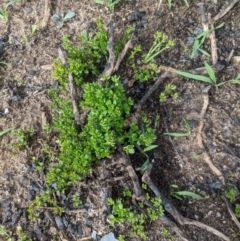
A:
169, 207
73, 89
203, 15
122, 55
211, 36
205, 155
225, 11
213, 41
232, 213
47, 13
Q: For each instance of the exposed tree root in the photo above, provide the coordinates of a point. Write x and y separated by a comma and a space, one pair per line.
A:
168, 206
205, 155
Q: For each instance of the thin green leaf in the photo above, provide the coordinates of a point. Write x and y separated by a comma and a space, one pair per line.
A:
11, 3
144, 167
195, 48
204, 52
176, 196
235, 81
186, 2
187, 125
149, 148
194, 76
173, 134
174, 186
203, 34
210, 72
222, 83
220, 25
189, 194
5, 131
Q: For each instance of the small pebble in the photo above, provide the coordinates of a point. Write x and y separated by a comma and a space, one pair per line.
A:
32, 72
219, 215
28, 10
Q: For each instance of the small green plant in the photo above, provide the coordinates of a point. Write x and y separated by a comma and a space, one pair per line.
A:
109, 3
165, 233
160, 44
211, 79
237, 210
174, 134
127, 193
136, 221
44, 200
146, 69
61, 19
170, 4
180, 194
4, 13
4, 233
76, 201
199, 41
23, 137
121, 238
39, 164
34, 29
231, 194
170, 91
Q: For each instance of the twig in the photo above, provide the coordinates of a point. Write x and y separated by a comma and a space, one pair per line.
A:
225, 11
203, 15
230, 56
47, 14
122, 55
174, 147
231, 213
205, 155
73, 89
213, 41
169, 207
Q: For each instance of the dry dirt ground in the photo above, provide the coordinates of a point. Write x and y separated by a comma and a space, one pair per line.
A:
24, 103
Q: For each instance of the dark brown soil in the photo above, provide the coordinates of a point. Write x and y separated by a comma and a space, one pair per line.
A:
25, 102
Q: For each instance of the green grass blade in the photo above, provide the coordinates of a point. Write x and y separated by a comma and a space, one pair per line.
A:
5, 131
222, 83
195, 48
194, 76
220, 25
150, 148
189, 194
186, 2
144, 167
235, 81
210, 72
173, 134
204, 52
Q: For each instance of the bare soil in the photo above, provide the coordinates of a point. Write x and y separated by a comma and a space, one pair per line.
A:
24, 103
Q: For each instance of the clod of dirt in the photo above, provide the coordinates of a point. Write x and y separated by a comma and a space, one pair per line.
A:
59, 222
16, 217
